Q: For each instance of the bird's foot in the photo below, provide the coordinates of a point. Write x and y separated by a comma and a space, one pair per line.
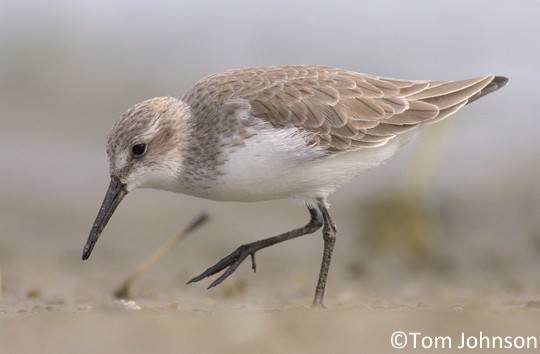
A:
231, 263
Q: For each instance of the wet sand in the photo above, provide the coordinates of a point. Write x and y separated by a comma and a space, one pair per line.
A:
344, 329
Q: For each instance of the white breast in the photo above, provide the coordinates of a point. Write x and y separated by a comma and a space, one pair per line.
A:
276, 164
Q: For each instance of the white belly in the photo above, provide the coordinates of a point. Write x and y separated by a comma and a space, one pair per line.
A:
278, 164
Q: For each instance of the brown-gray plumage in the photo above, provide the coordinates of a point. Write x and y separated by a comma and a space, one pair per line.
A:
293, 131
342, 109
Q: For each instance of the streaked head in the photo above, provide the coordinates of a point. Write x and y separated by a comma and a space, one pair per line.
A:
144, 149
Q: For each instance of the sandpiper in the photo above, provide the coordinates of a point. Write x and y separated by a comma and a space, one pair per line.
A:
263, 133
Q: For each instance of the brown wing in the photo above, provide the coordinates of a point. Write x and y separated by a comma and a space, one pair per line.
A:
342, 109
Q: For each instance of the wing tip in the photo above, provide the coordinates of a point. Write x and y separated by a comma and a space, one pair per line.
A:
496, 83
500, 81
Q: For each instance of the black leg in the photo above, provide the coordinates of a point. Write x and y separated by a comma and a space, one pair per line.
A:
232, 261
329, 237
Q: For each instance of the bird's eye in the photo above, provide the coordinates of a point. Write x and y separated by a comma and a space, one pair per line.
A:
138, 150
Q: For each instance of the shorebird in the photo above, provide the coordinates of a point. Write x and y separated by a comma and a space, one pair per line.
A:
264, 133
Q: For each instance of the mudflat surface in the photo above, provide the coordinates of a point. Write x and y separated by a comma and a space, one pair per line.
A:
345, 330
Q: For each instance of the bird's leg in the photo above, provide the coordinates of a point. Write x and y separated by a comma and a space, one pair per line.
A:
329, 237
232, 261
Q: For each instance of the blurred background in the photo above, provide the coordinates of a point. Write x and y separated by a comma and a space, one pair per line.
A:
456, 214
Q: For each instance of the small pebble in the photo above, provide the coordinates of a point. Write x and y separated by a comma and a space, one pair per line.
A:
128, 305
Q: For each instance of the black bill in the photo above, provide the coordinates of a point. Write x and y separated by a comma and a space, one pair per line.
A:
115, 193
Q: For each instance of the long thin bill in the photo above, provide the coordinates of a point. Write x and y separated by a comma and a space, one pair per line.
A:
115, 193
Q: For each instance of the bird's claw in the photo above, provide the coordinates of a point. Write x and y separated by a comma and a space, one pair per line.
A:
230, 263
253, 263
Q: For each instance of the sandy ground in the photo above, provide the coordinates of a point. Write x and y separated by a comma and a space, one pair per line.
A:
343, 330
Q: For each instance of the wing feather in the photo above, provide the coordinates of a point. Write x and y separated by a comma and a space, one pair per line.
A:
340, 108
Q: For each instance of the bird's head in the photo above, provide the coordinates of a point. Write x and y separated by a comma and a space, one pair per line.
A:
144, 149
